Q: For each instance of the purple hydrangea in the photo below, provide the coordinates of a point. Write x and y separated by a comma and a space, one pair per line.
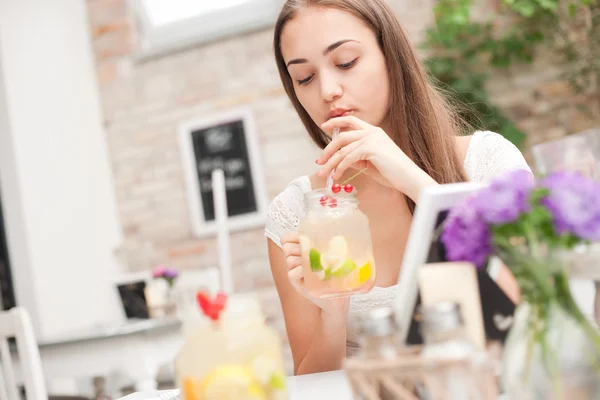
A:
466, 236
574, 202
170, 273
506, 198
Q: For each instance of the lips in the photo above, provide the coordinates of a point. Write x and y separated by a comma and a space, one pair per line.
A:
339, 112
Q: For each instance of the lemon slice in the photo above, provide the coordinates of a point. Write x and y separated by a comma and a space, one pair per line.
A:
230, 382
365, 272
263, 368
305, 245
331, 261
338, 247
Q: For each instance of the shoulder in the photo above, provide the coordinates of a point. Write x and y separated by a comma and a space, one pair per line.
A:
462, 146
490, 154
286, 209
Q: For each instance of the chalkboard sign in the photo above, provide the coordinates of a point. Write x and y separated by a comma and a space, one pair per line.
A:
225, 141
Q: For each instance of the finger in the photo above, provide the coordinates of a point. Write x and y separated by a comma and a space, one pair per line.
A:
291, 249
343, 139
337, 158
353, 157
290, 237
296, 277
293, 262
347, 122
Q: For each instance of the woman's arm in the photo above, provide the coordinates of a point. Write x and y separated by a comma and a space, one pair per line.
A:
317, 338
505, 279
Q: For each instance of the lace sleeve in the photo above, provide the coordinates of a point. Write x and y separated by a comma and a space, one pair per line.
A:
285, 211
490, 154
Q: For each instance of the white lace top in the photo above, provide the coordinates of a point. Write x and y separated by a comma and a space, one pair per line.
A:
488, 155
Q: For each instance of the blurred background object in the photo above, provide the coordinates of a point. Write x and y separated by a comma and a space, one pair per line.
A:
576, 152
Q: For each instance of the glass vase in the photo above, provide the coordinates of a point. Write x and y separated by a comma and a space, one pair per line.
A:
563, 365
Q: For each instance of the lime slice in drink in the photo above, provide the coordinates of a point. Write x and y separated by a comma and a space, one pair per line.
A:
315, 260
347, 267
277, 381
338, 247
324, 274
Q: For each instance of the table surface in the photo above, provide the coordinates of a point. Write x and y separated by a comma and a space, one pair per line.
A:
321, 386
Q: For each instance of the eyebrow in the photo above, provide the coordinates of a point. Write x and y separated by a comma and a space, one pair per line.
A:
328, 50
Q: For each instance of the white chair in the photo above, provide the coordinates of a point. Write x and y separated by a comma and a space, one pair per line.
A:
15, 323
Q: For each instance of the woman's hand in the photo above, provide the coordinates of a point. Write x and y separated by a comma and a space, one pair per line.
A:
290, 242
360, 145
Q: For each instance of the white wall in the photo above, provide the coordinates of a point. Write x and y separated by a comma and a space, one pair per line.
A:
55, 177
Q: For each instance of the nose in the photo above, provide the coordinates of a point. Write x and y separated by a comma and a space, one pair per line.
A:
330, 88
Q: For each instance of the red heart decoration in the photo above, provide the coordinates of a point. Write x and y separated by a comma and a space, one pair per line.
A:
211, 308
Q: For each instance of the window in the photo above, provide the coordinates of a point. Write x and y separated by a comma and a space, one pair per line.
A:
167, 25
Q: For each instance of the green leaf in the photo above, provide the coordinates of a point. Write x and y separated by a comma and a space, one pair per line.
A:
537, 194
525, 9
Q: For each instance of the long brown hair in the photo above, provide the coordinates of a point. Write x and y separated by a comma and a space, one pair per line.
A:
421, 121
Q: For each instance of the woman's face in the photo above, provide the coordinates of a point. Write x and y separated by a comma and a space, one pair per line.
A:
336, 65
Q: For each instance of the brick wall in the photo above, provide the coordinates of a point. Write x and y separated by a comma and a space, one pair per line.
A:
144, 101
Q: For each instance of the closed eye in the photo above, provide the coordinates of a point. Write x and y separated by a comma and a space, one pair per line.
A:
348, 64
305, 80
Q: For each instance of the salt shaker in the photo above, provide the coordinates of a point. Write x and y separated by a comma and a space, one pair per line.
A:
378, 338
378, 334
445, 339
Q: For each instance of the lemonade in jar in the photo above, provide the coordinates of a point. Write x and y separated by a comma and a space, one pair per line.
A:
335, 242
230, 353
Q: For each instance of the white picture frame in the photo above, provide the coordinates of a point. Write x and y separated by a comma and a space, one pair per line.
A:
432, 201
252, 220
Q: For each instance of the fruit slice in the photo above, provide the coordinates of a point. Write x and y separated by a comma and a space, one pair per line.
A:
344, 270
277, 381
324, 274
338, 247
263, 367
305, 245
365, 272
232, 382
331, 261
189, 389
315, 260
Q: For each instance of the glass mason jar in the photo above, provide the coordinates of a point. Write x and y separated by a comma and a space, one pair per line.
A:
336, 247
237, 357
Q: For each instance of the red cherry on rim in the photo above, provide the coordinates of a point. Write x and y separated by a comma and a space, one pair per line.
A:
336, 188
348, 188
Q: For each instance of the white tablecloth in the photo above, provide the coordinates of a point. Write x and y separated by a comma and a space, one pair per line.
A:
322, 386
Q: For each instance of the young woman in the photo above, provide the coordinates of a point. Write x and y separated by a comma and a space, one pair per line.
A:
348, 64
